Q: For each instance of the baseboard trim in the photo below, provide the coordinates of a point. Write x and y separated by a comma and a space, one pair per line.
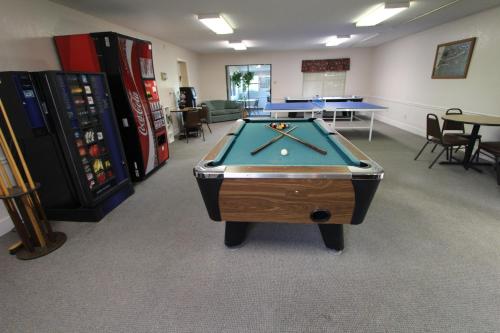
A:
426, 106
401, 125
5, 225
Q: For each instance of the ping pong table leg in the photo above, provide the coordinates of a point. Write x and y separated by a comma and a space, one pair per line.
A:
352, 113
334, 117
371, 127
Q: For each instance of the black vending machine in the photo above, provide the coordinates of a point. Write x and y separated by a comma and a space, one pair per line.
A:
187, 97
67, 130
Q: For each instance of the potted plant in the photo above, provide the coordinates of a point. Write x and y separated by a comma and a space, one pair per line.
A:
247, 78
242, 80
236, 78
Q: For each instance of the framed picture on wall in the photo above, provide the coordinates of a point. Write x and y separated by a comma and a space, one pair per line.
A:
452, 59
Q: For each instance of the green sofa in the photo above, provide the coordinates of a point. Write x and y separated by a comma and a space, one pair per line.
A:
222, 110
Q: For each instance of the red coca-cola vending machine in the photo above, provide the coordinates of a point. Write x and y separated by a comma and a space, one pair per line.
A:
128, 63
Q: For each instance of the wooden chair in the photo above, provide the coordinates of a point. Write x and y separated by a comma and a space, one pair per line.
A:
204, 116
193, 122
435, 135
491, 149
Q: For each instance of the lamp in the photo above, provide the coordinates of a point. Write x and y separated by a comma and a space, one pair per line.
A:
381, 13
216, 23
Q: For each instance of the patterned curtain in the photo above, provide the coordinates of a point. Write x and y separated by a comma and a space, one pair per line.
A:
326, 65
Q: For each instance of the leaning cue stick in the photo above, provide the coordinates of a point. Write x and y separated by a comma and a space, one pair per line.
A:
5, 176
307, 144
270, 142
22, 185
13, 213
10, 204
31, 183
27, 214
14, 247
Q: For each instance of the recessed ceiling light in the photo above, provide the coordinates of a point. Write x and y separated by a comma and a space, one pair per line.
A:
381, 13
337, 40
238, 46
216, 23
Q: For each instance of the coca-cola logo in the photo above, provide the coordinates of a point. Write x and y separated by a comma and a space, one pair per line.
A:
140, 114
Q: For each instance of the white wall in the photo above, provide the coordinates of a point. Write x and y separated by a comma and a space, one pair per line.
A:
27, 27
396, 74
286, 70
402, 74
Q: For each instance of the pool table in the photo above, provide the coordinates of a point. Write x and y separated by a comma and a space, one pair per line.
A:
302, 186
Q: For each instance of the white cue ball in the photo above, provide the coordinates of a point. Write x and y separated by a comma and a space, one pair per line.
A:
284, 152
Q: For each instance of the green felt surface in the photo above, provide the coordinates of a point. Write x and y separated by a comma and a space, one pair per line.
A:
254, 133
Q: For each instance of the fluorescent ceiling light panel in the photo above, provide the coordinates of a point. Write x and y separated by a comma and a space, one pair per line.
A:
337, 40
381, 13
369, 37
216, 23
238, 46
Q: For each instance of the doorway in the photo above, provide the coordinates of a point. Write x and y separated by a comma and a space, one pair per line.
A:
183, 73
258, 92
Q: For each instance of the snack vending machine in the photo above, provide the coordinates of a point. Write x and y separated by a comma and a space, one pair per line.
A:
68, 133
128, 63
187, 97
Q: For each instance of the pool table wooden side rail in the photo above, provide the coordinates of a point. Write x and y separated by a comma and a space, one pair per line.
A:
286, 200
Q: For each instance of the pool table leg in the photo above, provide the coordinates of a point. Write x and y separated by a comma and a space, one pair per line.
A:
236, 233
333, 236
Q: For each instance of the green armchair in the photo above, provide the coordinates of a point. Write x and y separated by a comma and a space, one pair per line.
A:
222, 110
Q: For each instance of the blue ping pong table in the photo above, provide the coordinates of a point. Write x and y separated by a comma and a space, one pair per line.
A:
316, 108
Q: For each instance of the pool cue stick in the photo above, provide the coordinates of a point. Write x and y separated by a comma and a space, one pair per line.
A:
270, 142
14, 214
15, 247
31, 183
5, 187
20, 182
307, 144
5, 176
25, 214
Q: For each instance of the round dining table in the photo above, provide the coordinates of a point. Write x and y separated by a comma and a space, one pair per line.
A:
476, 121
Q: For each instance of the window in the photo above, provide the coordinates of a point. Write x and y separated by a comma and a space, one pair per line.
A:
323, 84
258, 92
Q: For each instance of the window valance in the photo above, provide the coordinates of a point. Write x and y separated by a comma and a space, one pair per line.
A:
326, 65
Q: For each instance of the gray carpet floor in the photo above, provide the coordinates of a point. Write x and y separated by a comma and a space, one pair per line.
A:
426, 259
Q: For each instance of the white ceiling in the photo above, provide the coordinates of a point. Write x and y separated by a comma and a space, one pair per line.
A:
270, 25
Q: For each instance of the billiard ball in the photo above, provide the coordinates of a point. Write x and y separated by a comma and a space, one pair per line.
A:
284, 152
